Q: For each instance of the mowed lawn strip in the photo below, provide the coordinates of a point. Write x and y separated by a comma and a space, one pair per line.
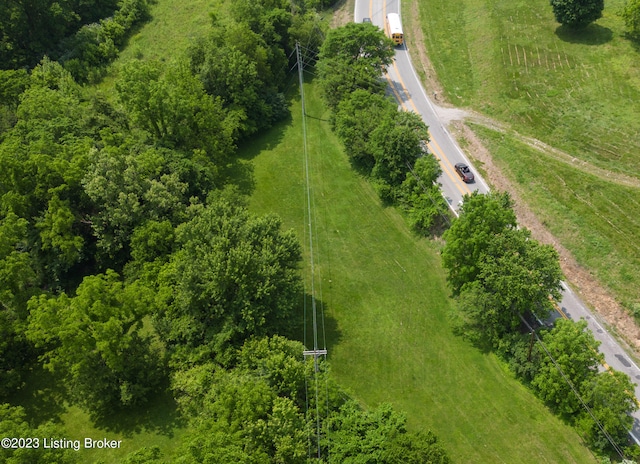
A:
387, 307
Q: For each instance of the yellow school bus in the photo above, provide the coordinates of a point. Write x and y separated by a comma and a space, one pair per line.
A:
393, 27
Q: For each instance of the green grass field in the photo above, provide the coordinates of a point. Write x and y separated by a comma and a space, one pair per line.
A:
576, 91
386, 306
382, 289
173, 26
511, 60
579, 208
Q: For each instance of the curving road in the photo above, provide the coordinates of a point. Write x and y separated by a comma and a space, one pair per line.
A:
406, 87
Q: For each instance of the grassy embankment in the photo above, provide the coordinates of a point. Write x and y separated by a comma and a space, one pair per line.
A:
384, 294
577, 91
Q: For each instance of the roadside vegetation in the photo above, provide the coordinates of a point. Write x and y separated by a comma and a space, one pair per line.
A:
387, 307
382, 142
572, 89
505, 283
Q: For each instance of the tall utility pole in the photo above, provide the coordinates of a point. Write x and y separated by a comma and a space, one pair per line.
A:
316, 352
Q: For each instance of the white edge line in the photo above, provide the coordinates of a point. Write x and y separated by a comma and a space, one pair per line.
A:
595, 322
562, 283
455, 144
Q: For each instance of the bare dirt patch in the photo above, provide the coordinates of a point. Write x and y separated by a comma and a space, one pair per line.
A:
343, 12
590, 290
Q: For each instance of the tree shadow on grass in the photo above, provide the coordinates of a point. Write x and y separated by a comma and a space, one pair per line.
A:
593, 34
160, 416
634, 40
43, 396
328, 332
239, 170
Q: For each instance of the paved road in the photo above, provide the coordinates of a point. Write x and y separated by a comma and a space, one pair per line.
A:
405, 85
407, 89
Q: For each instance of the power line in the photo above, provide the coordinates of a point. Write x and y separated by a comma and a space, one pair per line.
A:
574, 390
316, 352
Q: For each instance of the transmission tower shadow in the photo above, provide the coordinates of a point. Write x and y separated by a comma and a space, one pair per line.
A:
328, 333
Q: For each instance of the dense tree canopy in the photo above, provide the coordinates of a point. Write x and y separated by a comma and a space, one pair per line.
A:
610, 396
12, 84
421, 197
356, 118
353, 57
631, 16
517, 276
14, 423
577, 13
244, 60
381, 140
379, 436
172, 106
575, 353
235, 275
256, 413
387, 144
501, 277
28, 28
95, 340
481, 217
125, 262
84, 34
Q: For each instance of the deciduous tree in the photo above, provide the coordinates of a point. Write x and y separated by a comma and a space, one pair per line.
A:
130, 185
234, 275
18, 282
577, 13
481, 217
353, 57
421, 197
13, 424
172, 105
277, 360
379, 435
517, 275
631, 16
610, 396
95, 340
575, 353
396, 145
241, 419
356, 118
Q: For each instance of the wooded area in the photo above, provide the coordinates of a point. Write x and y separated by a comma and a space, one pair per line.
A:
129, 265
